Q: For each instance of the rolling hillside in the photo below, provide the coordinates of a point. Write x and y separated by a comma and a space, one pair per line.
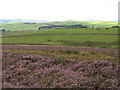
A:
23, 26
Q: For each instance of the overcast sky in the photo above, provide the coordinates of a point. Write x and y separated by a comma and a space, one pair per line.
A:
60, 10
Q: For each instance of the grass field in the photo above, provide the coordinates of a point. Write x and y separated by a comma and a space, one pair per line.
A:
69, 40
21, 26
67, 31
101, 41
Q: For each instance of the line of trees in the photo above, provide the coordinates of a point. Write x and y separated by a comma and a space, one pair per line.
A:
61, 26
70, 26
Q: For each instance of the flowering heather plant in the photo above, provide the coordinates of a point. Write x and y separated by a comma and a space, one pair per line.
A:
28, 57
35, 71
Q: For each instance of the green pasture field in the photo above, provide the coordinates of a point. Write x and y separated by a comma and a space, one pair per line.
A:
89, 23
23, 27
65, 31
99, 41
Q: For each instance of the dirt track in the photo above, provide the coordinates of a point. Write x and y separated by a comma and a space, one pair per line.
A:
43, 47
60, 34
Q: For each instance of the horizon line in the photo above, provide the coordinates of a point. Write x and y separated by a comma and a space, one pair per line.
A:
65, 20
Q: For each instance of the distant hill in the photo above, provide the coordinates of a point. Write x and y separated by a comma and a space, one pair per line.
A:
22, 25
88, 23
20, 21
